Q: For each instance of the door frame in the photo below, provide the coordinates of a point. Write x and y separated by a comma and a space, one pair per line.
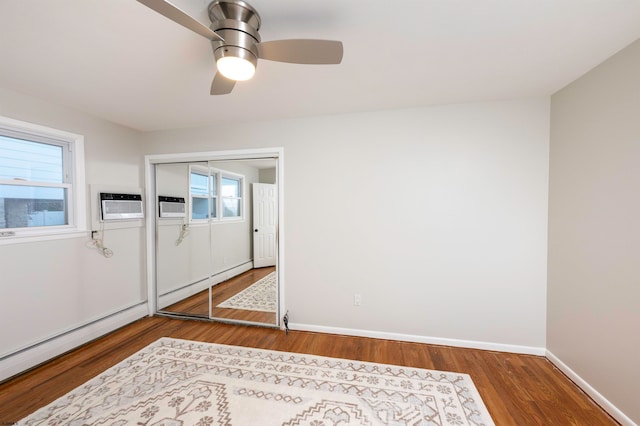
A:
151, 160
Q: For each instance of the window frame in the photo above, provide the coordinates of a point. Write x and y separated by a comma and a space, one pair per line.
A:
73, 181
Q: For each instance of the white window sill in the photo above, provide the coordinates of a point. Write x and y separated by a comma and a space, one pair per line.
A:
205, 222
48, 236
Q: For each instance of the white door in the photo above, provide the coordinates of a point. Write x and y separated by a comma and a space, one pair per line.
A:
265, 222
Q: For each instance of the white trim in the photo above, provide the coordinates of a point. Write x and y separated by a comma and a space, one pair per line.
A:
51, 235
471, 344
591, 391
77, 210
37, 184
150, 189
36, 354
236, 154
280, 238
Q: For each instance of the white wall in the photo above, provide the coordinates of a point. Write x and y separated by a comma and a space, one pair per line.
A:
50, 288
436, 216
268, 175
594, 236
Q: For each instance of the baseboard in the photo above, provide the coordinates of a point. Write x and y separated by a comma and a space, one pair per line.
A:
189, 290
470, 344
38, 353
182, 293
590, 390
231, 272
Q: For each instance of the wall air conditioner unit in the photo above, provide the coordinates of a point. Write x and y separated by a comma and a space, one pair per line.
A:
171, 206
121, 206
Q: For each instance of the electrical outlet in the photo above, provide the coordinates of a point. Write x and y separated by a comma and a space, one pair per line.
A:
357, 299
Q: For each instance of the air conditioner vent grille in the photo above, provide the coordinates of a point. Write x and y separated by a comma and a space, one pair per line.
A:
172, 206
121, 206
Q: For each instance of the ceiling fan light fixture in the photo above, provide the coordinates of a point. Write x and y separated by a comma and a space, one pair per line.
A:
234, 68
235, 63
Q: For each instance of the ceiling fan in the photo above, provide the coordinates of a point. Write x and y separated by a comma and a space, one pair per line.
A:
236, 42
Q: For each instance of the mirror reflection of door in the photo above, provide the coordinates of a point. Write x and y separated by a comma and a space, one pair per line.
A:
219, 261
265, 217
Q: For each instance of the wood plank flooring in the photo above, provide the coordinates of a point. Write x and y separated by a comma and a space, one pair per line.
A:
198, 304
517, 389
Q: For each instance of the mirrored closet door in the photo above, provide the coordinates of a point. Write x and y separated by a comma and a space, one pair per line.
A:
216, 250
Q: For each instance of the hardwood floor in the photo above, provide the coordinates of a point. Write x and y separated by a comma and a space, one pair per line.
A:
198, 304
517, 389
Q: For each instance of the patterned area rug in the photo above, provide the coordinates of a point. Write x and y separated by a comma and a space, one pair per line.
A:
260, 296
180, 382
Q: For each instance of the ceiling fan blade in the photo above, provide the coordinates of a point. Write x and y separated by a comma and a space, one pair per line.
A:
221, 85
302, 51
172, 12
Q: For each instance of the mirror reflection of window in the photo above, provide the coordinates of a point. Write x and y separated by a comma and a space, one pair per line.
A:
204, 189
231, 197
199, 188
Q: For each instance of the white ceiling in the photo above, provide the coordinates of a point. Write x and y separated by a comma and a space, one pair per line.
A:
121, 61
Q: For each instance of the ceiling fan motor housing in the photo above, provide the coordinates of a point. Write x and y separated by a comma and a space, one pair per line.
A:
238, 24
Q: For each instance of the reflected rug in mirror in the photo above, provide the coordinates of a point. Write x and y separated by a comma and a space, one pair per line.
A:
260, 296
181, 382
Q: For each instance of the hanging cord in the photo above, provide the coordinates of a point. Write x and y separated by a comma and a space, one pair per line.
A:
98, 243
184, 231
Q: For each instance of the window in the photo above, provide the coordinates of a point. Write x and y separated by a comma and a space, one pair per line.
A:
204, 187
40, 190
